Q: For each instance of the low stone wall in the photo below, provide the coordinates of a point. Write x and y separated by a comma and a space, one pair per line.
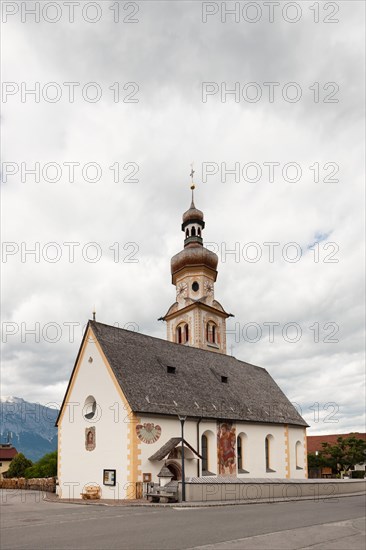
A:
240, 491
38, 484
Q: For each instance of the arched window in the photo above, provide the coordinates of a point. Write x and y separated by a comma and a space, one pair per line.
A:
242, 455
187, 233
299, 455
269, 455
239, 448
199, 232
182, 333
193, 231
267, 452
211, 333
204, 453
208, 451
90, 407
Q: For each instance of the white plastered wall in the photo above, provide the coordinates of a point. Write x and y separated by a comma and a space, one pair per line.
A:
79, 467
253, 448
170, 427
298, 465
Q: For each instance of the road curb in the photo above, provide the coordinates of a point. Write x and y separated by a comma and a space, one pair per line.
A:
198, 504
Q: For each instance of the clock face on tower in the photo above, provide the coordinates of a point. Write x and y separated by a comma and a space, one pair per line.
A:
209, 287
182, 290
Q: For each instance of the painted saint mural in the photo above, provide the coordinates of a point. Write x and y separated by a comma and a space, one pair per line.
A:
226, 454
90, 438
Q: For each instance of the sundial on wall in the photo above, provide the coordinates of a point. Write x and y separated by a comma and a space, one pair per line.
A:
148, 432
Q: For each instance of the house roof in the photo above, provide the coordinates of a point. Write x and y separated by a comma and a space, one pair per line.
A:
314, 442
139, 363
7, 453
169, 446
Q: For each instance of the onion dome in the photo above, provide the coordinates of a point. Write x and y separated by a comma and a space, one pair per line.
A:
194, 255
192, 215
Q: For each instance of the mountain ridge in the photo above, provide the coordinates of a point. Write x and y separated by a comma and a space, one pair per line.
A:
30, 427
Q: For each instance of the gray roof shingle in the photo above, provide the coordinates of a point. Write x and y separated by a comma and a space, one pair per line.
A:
140, 363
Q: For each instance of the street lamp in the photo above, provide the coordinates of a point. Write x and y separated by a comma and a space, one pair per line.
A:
182, 421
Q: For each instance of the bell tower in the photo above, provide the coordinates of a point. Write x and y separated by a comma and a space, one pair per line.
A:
196, 318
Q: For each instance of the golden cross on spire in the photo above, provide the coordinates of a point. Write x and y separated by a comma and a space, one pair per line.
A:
193, 187
192, 174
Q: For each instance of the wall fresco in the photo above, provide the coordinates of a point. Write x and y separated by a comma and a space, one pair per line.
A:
226, 452
90, 438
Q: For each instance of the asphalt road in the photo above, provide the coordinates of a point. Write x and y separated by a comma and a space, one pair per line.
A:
29, 522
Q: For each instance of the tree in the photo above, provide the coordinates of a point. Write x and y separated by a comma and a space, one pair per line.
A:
45, 467
317, 461
347, 452
18, 466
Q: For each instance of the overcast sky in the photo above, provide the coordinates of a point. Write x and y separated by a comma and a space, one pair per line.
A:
155, 115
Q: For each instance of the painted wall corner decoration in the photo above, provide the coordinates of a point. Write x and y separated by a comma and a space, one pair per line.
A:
148, 432
90, 438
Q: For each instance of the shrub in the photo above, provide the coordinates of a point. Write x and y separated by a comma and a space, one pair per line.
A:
18, 466
45, 467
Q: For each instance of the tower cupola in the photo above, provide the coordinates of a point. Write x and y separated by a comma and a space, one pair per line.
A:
194, 254
196, 318
193, 225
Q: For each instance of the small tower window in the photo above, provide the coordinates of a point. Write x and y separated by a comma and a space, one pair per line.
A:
199, 232
187, 233
182, 333
193, 232
195, 286
211, 333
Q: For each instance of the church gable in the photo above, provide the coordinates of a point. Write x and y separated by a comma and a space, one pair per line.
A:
90, 366
96, 427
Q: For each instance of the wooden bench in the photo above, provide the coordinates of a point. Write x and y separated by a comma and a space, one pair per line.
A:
91, 493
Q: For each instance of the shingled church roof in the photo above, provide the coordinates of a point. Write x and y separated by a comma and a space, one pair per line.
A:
161, 377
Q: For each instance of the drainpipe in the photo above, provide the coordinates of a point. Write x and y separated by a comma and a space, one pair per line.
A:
182, 421
198, 445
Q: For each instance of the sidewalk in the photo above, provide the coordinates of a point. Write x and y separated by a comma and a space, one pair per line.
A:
341, 535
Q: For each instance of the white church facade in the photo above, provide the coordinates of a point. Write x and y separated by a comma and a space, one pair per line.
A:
135, 404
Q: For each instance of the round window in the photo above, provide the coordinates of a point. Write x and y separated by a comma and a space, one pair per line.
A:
195, 286
90, 407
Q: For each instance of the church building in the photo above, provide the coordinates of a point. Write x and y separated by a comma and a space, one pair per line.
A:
138, 409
